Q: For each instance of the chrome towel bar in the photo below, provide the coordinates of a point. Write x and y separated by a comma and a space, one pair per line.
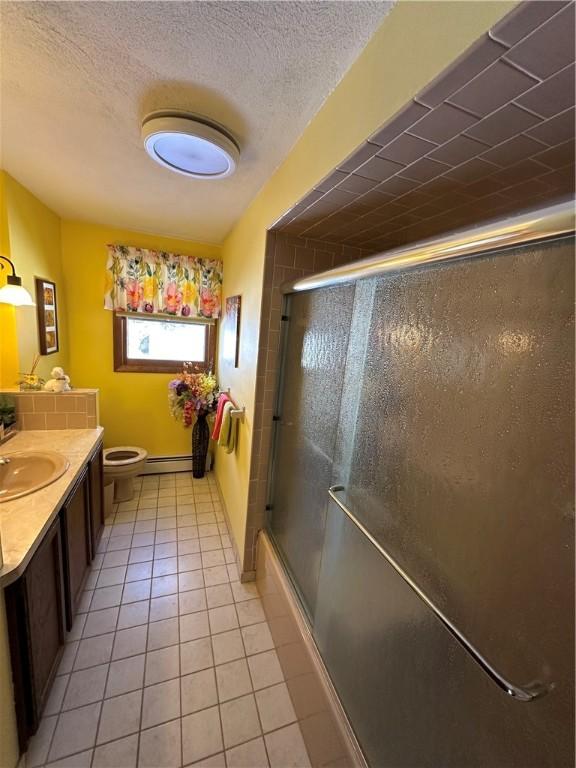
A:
524, 693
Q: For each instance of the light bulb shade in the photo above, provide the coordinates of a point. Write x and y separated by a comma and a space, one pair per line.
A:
190, 146
15, 294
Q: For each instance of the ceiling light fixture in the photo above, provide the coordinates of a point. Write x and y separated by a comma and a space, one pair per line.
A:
13, 292
189, 144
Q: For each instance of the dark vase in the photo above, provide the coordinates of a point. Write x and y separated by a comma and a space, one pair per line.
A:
200, 440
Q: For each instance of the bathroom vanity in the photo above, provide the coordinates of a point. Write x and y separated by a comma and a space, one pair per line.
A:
49, 539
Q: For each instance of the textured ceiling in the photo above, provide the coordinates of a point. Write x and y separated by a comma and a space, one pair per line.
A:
491, 135
77, 77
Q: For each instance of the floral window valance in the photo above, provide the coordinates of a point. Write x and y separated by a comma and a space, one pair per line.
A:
157, 282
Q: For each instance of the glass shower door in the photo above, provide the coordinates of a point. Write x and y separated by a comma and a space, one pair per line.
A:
315, 347
453, 447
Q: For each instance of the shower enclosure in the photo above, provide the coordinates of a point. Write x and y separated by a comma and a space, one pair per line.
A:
422, 503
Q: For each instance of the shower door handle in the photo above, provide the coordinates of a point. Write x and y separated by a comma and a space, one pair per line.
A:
525, 693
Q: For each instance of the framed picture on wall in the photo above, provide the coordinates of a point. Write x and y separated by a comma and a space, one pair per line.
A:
47, 316
231, 331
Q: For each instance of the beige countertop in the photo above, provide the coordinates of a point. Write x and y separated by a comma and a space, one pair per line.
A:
24, 521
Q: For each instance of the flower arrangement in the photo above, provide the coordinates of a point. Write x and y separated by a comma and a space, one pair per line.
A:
191, 394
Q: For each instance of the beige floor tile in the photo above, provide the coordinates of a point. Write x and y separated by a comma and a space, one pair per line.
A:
160, 747
249, 755
275, 707
77, 628
195, 655
244, 591
190, 580
141, 555
120, 717
135, 591
215, 761
162, 665
188, 547
250, 612
161, 703
56, 697
119, 542
286, 748
239, 721
219, 595
165, 607
85, 687
201, 735
75, 732
100, 622
192, 601
210, 543
133, 614
145, 526
162, 634
164, 523
117, 754
108, 577
143, 539
164, 585
114, 559
189, 532
79, 760
215, 557
129, 642
170, 549
193, 626
198, 691
138, 571
222, 619
125, 675
185, 518
121, 529
265, 669
227, 646
68, 657
165, 566
257, 638
233, 680
189, 563
218, 574
168, 510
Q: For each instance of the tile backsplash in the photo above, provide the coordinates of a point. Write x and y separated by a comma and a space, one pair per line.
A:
77, 409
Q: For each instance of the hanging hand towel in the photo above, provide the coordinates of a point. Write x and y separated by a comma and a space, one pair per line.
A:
227, 429
222, 400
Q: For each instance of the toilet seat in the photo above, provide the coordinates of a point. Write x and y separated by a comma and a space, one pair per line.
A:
123, 455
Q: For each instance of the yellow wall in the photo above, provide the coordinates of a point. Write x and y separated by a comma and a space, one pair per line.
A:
133, 406
31, 238
415, 42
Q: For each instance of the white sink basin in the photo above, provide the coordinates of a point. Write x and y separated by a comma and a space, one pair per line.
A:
28, 471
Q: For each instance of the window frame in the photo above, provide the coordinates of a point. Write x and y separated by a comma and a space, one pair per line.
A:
124, 364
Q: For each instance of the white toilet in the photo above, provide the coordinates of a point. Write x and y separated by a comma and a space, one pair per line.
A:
121, 465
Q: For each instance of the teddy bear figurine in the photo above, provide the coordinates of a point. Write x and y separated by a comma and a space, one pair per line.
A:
59, 382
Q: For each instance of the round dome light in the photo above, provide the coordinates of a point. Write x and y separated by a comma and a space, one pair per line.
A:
190, 145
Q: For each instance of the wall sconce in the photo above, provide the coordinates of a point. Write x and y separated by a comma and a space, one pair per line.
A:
13, 292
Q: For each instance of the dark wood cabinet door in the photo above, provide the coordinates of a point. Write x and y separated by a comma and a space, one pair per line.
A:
76, 535
96, 481
35, 612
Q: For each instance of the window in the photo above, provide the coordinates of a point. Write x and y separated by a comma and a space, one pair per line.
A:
162, 344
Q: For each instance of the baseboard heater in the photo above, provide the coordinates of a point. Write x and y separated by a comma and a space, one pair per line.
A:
157, 465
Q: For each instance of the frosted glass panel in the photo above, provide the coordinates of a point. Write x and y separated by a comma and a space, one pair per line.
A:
442, 400
170, 340
462, 457
316, 344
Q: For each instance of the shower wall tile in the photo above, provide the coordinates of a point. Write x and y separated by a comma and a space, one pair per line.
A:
287, 258
506, 101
